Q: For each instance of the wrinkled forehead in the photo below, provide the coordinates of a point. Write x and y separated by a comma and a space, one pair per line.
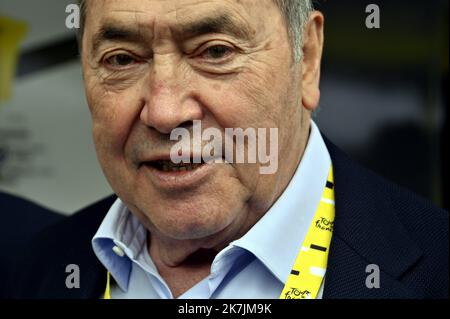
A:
252, 14
175, 6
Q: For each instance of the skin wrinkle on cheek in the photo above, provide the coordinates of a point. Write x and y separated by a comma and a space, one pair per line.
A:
118, 82
107, 114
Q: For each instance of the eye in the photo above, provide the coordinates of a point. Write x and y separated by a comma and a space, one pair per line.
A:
120, 60
216, 52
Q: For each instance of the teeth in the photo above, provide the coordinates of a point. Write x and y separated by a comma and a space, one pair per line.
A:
171, 167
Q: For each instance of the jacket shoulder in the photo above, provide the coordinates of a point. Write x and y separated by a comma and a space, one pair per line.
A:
428, 227
21, 219
397, 218
40, 270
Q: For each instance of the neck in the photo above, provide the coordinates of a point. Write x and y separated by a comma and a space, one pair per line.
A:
183, 267
173, 253
184, 263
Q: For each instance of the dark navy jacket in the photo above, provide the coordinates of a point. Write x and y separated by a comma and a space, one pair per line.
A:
376, 222
20, 221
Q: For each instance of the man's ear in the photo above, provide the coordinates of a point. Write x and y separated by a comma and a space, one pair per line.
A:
312, 56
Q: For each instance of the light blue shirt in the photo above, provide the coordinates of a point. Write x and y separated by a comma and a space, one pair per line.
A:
255, 266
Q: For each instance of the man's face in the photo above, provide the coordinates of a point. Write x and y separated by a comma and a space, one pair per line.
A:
152, 66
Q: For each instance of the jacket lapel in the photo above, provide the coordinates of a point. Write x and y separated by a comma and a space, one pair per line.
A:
366, 232
91, 279
78, 232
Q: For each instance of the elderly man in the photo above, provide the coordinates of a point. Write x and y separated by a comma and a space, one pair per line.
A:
318, 226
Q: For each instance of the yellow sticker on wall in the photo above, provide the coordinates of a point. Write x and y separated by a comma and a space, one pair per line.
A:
11, 33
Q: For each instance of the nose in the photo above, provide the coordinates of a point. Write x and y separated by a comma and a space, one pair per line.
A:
168, 101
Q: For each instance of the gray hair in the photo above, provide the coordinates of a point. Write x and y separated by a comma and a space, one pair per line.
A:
295, 12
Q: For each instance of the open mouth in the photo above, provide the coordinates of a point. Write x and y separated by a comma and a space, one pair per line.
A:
169, 166
166, 175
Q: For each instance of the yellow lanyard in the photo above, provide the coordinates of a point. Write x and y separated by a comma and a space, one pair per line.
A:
107, 294
310, 265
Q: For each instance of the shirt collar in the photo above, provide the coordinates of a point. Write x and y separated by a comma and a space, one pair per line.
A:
278, 236
122, 229
280, 232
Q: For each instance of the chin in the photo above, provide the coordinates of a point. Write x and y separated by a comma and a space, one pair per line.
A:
191, 221
186, 229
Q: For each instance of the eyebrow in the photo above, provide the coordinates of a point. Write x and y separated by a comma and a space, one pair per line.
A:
113, 33
223, 23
